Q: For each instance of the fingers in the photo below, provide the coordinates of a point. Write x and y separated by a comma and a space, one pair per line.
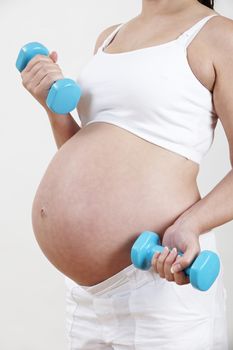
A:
46, 82
53, 56
39, 63
154, 261
187, 258
39, 75
37, 59
168, 264
38, 72
162, 263
180, 277
50, 73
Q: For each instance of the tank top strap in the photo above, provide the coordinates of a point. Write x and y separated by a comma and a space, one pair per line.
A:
186, 37
110, 37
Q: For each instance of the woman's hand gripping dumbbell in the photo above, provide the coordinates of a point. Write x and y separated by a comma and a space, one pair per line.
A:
43, 78
202, 272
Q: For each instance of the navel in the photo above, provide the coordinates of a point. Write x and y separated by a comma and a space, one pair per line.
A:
43, 212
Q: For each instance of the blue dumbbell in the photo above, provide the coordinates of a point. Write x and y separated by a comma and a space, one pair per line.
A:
202, 272
64, 94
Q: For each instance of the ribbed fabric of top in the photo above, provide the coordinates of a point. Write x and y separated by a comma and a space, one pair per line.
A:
151, 92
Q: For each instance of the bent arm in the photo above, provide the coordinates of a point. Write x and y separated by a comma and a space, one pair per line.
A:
64, 126
213, 210
216, 208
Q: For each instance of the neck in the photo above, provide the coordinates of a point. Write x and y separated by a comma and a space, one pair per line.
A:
151, 8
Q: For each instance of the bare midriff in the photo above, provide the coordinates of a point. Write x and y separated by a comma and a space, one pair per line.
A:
102, 188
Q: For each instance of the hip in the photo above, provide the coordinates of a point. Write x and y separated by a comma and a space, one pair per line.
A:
138, 307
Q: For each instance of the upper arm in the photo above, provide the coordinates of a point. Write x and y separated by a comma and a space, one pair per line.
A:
223, 87
103, 35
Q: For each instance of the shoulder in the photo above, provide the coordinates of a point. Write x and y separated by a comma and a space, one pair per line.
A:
220, 36
103, 35
221, 28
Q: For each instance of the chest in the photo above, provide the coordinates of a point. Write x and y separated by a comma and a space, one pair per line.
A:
198, 59
152, 81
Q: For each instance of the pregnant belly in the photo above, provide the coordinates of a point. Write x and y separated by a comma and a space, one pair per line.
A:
102, 188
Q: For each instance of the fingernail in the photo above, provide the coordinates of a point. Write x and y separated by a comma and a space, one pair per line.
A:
174, 250
175, 268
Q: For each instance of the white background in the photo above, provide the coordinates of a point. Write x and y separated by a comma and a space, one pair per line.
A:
32, 302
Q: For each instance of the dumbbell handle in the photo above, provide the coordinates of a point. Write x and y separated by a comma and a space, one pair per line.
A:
160, 248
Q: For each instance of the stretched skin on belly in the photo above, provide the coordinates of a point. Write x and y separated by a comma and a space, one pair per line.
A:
101, 190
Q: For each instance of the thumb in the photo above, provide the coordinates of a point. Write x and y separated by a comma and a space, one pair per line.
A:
184, 261
54, 56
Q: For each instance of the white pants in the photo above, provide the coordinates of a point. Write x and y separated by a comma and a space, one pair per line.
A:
139, 310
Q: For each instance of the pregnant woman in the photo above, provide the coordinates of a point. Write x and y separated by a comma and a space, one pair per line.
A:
151, 97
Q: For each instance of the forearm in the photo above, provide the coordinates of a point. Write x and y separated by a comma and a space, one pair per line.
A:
63, 127
213, 210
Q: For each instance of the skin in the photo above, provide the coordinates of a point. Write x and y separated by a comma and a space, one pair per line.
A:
181, 228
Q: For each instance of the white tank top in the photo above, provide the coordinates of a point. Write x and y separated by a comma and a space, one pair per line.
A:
152, 93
